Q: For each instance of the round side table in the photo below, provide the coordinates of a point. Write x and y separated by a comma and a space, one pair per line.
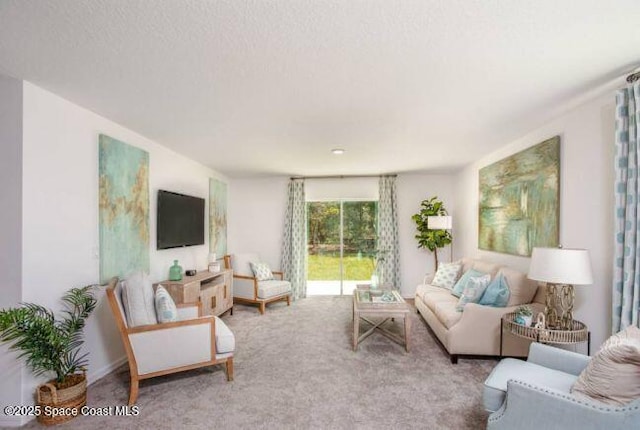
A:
577, 334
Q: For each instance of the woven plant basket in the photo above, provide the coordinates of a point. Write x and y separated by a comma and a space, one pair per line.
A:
72, 396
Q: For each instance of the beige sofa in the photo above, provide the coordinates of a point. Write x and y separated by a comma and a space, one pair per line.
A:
476, 330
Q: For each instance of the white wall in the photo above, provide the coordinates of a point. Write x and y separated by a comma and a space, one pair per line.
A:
257, 208
10, 230
586, 203
60, 212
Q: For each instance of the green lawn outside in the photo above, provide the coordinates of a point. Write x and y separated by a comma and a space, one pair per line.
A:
327, 268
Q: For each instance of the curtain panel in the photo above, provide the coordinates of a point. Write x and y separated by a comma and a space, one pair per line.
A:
626, 270
388, 248
294, 247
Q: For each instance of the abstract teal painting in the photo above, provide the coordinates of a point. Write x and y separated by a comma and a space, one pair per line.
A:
217, 217
123, 208
520, 200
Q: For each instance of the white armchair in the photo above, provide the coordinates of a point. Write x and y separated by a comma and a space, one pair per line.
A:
247, 289
160, 349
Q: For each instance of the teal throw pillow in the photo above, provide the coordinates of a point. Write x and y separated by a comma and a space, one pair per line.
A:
166, 309
462, 282
446, 275
497, 293
473, 291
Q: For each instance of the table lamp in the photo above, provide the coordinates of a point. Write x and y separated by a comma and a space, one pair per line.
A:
561, 269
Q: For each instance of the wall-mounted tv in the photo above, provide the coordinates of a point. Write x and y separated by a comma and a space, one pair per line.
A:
180, 220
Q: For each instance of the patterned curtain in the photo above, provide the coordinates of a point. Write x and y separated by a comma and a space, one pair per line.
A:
388, 231
294, 247
626, 270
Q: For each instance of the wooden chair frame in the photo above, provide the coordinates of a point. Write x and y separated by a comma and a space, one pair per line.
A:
133, 365
262, 303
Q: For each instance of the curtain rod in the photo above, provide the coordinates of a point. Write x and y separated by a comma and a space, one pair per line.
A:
343, 176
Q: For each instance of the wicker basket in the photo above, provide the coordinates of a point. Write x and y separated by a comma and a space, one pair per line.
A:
74, 396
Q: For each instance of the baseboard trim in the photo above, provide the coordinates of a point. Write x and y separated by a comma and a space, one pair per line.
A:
105, 370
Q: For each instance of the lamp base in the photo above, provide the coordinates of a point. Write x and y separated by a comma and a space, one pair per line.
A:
559, 306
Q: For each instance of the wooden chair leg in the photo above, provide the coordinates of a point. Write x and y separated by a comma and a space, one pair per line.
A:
288, 300
133, 391
230, 369
262, 307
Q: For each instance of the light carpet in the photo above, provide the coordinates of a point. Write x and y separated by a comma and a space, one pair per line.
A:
295, 369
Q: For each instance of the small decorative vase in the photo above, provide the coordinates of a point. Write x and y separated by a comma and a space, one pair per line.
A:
175, 272
374, 282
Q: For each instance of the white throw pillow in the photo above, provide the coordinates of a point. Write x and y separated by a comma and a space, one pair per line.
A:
166, 309
446, 275
261, 271
138, 300
473, 291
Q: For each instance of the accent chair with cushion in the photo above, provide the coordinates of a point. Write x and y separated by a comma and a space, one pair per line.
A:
255, 283
188, 341
543, 393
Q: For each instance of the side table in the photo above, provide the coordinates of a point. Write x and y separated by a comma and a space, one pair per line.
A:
577, 334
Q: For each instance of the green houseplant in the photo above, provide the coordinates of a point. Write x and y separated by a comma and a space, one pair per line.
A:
52, 346
431, 239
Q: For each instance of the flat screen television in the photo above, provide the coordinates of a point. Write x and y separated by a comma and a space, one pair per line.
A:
180, 220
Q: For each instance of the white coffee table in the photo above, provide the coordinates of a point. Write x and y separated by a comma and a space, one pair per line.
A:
368, 304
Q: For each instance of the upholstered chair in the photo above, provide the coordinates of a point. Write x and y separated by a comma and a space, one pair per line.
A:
159, 349
248, 289
536, 394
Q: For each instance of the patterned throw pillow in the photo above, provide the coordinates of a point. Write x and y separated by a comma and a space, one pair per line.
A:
261, 271
473, 291
462, 282
497, 293
612, 375
446, 275
166, 309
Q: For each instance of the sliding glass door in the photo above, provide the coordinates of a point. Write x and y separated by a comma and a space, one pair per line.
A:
341, 245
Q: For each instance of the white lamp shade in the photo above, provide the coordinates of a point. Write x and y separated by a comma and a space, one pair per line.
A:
561, 266
444, 222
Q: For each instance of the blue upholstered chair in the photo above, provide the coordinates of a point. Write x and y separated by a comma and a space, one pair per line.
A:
536, 394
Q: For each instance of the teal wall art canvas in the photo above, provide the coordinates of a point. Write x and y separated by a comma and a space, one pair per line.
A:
123, 208
520, 201
217, 217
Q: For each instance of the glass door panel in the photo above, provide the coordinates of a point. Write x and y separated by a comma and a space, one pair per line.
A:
341, 245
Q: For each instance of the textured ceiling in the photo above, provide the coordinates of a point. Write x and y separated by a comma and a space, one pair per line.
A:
269, 87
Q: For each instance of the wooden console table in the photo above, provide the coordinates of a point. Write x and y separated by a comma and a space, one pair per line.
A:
577, 334
214, 290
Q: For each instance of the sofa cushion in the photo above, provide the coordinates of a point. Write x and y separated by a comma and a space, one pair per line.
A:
447, 313
459, 287
486, 267
268, 289
446, 275
473, 291
422, 290
495, 387
225, 341
497, 293
437, 295
138, 300
613, 374
521, 289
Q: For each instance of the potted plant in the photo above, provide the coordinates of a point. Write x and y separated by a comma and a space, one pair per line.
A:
524, 315
51, 345
431, 239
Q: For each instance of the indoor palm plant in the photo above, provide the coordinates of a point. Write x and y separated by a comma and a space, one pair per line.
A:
427, 238
52, 346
